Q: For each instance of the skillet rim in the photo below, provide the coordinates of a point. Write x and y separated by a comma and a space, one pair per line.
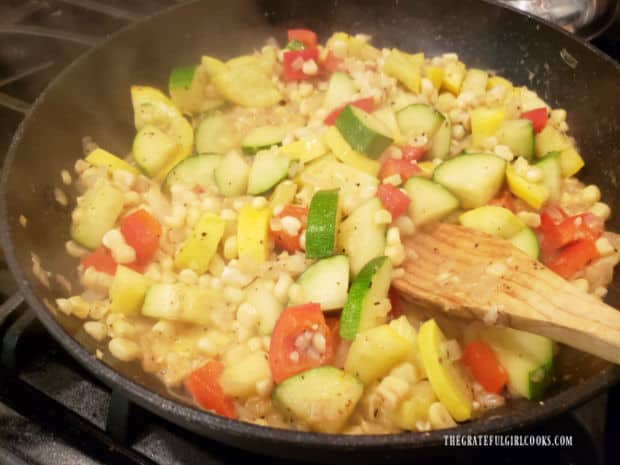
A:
231, 431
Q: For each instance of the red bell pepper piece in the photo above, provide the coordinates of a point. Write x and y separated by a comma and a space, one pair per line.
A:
573, 258
411, 153
101, 260
331, 62
305, 36
141, 231
281, 237
557, 235
485, 367
400, 166
293, 61
366, 104
292, 322
538, 117
205, 388
393, 199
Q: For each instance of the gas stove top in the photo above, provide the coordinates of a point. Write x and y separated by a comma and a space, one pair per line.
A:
51, 410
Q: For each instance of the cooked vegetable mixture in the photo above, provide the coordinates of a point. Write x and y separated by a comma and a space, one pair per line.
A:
243, 251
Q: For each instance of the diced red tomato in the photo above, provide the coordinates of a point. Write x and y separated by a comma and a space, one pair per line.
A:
556, 235
411, 153
293, 61
101, 260
393, 199
198, 189
331, 62
505, 199
397, 309
573, 258
284, 358
538, 117
485, 367
141, 231
400, 166
366, 104
283, 239
203, 384
305, 36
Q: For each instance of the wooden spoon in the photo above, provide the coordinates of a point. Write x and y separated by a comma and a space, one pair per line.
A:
473, 275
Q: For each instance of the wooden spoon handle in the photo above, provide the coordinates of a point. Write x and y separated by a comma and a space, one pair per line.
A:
477, 276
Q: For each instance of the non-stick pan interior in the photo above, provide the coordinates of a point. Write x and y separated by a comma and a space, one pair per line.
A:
92, 99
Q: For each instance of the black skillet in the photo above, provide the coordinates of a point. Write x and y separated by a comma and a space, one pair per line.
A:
92, 98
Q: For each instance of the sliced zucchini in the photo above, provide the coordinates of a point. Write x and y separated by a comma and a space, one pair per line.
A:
197, 170
247, 81
127, 291
268, 307
345, 153
363, 132
414, 409
527, 241
550, 140
453, 77
268, 169
440, 144
419, 119
429, 201
570, 162
253, 233
283, 194
241, 378
231, 174
340, 90
526, 357
485, 122
186, 87
374, 352
100, 157
323, 220
98, 211
518, 135
214, 135
406, 68
492, 219
531, 101
322, 397
152, 149
363, 309
355, 185
473, 178
200, 247
475, 81
435, 75
325, 282
180, 302
448, 383
152, 107
360, 237
534, 194
261, 138
305, 150
552, 174
387, 116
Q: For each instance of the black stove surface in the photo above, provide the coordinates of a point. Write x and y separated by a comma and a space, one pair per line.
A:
52, 411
